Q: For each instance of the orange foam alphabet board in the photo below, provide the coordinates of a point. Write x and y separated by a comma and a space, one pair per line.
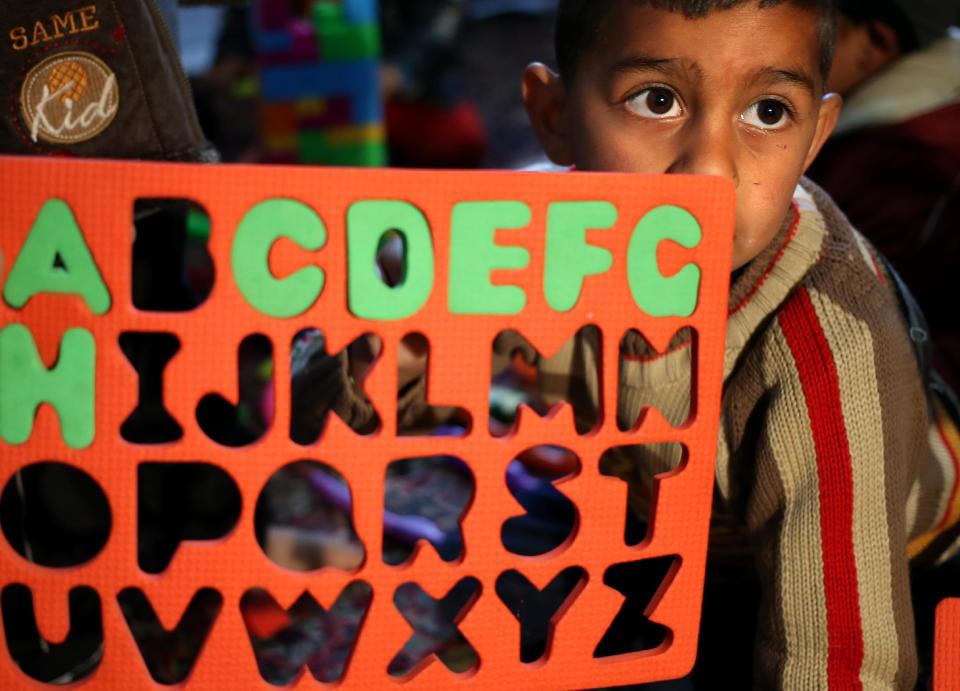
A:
946, 647
294, 248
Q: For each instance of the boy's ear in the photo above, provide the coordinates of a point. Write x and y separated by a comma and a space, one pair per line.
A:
826, 121
544, 95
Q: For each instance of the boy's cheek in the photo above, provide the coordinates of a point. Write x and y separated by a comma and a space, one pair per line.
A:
602, 140
767, 192
762, 208
625, 155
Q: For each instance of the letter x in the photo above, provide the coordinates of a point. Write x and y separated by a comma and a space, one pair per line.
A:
435, 630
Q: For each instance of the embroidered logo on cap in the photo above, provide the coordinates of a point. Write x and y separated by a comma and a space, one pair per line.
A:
69, 98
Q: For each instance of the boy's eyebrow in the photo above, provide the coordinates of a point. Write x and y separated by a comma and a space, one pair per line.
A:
635, 63
776, 75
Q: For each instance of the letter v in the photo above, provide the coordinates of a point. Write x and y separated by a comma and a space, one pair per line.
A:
170, 654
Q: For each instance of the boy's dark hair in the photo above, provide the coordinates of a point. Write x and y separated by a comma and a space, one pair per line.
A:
578, 22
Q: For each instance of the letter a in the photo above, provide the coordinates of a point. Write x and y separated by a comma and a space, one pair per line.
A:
56, 235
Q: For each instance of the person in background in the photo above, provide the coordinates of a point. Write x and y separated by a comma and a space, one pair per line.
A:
430, 121
893, 163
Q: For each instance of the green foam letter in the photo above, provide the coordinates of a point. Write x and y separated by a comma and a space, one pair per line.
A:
25, 383
260, 228
569, 259
474, 254
655, 294
369, 296
56, 235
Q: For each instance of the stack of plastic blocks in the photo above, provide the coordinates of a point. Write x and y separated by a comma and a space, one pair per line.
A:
319, 82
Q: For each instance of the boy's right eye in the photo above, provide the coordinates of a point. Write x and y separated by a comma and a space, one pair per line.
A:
657, 102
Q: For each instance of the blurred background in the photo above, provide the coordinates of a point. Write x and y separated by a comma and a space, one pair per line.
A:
345, 82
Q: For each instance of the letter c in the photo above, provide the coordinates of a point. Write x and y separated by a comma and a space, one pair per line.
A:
655, 294
260, 228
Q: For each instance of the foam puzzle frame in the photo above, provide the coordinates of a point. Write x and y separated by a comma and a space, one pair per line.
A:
645, 263
946, 672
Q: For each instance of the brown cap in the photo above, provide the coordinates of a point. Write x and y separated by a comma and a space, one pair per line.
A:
98, 78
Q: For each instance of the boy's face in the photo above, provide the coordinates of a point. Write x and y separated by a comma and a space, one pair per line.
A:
736, 93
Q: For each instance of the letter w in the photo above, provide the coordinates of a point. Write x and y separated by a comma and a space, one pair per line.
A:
284, 641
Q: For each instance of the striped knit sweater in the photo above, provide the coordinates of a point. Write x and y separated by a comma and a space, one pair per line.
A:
825, 471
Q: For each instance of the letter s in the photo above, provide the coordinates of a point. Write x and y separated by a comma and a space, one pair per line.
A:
19, 38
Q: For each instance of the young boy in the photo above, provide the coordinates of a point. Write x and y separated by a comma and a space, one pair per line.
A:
824, 473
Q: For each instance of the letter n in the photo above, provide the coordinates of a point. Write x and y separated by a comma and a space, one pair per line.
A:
25, 383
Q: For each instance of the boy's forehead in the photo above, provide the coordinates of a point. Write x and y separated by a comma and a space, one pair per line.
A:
738, 41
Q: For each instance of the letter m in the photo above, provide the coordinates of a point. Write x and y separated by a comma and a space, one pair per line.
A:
67, 21
524, 376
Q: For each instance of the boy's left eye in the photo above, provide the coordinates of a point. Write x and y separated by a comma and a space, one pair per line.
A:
767, 114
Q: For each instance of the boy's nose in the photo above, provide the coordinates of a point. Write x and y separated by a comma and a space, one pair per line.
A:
707, 149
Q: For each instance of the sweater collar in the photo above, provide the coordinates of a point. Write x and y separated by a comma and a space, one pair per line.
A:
769, 279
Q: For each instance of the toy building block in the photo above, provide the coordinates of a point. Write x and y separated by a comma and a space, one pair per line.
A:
324, 80
319, 82
272, 41
341, 39
312, 107
316, 148
279, 117
294, 44
365, 103
361, 11
348, 136
335, 112
304, 40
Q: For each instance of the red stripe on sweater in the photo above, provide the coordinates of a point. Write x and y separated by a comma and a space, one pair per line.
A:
945, 521
821, 389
